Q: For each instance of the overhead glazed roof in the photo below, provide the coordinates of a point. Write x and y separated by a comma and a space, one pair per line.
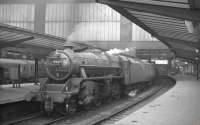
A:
174, 22
19, 39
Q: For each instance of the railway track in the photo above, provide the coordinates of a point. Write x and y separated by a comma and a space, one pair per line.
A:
36, 119
26, 118
115, 113
119, 112
99, 116
125, 111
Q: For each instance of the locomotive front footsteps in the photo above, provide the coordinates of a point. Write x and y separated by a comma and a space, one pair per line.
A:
88, 79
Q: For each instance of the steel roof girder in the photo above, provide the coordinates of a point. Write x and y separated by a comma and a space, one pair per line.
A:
132, 18
184, 55
13, 43
194, 4
185, 14
185, 52
197, 4
188, 43
21, 40
13, 29
186, 58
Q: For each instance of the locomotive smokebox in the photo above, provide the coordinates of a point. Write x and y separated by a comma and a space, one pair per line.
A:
58, 65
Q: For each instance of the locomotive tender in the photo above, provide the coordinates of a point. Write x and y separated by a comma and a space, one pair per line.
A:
85, 79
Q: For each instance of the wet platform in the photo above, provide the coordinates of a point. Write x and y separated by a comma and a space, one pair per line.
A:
8, 94
179, 106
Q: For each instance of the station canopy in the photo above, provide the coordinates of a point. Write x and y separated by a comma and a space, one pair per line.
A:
26, 41
174, 22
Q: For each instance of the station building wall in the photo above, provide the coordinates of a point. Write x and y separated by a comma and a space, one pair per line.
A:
20, 15
77, 20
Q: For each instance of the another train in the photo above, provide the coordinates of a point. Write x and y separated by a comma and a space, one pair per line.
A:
85, 79
23, 70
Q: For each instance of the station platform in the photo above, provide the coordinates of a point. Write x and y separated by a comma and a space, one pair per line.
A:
8, 94
178, 106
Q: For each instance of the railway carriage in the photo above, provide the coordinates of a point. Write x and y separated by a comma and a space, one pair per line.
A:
25, 69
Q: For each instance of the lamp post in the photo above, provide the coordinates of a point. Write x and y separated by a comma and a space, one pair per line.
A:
197, 61
197, 69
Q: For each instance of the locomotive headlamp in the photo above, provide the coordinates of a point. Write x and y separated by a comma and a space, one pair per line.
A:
66, 88
58, 65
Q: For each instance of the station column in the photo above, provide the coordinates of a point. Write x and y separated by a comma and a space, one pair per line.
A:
36, 70
169, 65
197, 71
125, 29
40, 11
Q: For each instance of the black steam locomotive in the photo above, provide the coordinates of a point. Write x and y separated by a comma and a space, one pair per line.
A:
85, 79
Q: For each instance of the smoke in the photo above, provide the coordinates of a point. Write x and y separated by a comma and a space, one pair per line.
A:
117, 51
95, 31
127, 51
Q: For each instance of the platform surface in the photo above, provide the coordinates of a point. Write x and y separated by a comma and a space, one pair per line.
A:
8, 94
178, 106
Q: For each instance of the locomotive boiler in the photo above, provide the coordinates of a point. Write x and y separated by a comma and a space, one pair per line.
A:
88, 79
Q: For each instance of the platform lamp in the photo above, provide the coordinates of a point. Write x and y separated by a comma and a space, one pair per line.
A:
197, 61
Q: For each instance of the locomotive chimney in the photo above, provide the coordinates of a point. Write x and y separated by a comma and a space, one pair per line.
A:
68, 46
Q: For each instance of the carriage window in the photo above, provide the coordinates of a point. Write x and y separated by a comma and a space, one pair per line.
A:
21, 68
5, 69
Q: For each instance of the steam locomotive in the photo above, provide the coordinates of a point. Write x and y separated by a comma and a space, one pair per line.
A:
88, 79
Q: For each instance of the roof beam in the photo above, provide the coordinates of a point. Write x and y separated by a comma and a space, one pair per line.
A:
21, 40
18, 30
36, 51
194, 4
185, 14
188, 43
185, 52
46, 1
132, 18
14, 43
186, 58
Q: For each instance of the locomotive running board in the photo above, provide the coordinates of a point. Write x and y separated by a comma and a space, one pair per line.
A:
59, 92
106, 67
101, 78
